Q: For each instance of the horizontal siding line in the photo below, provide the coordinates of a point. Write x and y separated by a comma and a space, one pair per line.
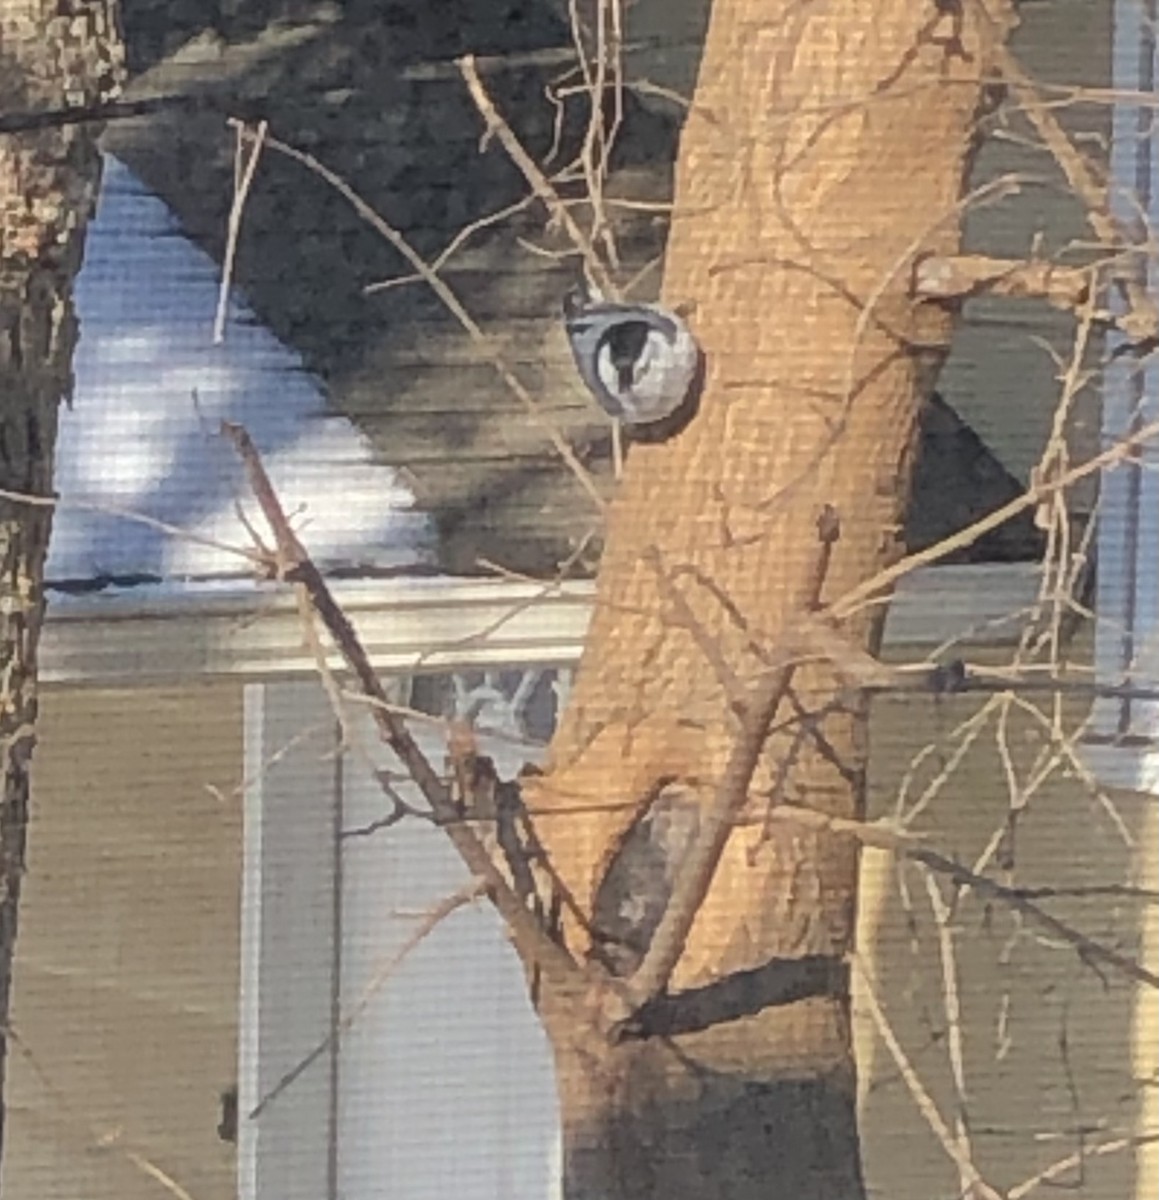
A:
153, 636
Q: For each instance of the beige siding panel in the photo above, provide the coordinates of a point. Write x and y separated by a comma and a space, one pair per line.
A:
1145, 1039
126, 977
1051, 1047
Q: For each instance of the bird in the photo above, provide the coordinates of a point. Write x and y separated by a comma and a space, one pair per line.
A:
640, 362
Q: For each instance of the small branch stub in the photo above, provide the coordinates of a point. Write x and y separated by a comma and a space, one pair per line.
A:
957, 277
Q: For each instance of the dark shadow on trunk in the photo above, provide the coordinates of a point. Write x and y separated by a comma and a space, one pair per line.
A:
669, 1125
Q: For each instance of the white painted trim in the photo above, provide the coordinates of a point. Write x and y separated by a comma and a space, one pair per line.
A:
1123, 750
249, 1004
150, 637
290, 943
146, 636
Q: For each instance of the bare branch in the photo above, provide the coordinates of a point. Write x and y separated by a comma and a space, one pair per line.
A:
497, 127
952, 1002
882, 835
90, 1135
295, 565
470, 891
452, 247
917, 1090
955, 277
1090, 951
244, 168
876, 587
1071, 1161
1142, 320
444, 292
138, 518
717, 821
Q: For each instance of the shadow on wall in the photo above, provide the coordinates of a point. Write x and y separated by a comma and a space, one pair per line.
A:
371, 90
150, 392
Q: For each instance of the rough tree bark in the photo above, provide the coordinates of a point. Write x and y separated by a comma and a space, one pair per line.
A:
825, 150
53, 55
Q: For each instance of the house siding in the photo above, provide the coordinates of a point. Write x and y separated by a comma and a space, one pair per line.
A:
126, 976
1001, 376
1057, 1052
128, 970
385, 108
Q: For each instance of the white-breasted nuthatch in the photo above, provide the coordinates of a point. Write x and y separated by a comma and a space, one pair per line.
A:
639, 361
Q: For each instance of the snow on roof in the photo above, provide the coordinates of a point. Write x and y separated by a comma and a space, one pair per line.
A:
142, 433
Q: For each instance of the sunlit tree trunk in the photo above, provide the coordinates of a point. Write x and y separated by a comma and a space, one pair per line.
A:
52, 55
824, 151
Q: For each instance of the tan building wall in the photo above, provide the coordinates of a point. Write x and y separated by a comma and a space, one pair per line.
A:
127, 973
1057, 1053
126, 984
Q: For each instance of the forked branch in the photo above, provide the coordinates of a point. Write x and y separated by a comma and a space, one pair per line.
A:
718, 820
293, 564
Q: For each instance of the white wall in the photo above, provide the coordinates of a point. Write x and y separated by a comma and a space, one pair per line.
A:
442, 1083
446, 1084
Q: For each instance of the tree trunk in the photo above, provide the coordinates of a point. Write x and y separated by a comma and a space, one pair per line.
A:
51, 55
824, 151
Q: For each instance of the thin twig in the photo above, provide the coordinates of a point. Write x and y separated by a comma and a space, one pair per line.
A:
155, 1173
880, 834
1082, 771
1062, 1165
872, 589
330, 684
1143, 317
497, 127
88, 1132
470, 891
1087, 948
295, 565
952, 1002
137, 518
244, 170
452, 303
967, 734
917, 1090
449, 250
